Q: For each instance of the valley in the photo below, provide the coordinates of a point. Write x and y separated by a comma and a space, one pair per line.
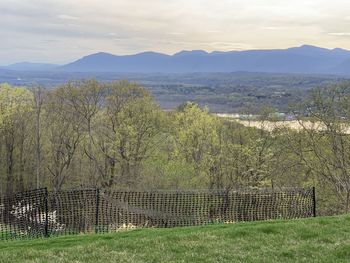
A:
236, 92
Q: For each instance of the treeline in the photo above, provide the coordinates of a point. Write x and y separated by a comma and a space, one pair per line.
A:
114, 135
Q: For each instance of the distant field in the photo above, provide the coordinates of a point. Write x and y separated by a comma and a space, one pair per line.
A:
324, 239
294, 125
271, 125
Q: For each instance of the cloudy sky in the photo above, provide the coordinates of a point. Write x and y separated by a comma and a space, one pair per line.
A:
60, 31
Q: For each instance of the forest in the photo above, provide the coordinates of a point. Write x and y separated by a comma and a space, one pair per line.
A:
234, 92
113, 135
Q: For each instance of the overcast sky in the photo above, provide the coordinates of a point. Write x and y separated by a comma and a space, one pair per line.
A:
60, 31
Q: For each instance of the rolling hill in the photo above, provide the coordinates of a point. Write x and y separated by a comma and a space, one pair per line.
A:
305, 59
28, 66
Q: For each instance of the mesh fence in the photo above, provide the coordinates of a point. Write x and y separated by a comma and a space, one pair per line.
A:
24, 215
120, 210
72, 212
38, 213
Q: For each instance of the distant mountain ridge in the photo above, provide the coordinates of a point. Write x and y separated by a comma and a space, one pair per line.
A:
305, 59
28, 66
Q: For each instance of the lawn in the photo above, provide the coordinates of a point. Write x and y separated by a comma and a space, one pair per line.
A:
323, 239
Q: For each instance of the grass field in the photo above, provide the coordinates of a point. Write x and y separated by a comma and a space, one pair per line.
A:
324, 239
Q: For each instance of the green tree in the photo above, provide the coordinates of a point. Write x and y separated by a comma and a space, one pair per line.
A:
15, 106
134, 121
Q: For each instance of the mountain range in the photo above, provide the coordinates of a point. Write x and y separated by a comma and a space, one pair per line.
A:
305, 59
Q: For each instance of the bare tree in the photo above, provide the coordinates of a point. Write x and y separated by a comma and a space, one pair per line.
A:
326, 148
38, 100
63, 128
86, 98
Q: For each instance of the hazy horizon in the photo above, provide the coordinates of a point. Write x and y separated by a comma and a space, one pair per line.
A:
49, 31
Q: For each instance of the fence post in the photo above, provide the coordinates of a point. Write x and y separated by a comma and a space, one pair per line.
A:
314, 201
46, 213
97, 209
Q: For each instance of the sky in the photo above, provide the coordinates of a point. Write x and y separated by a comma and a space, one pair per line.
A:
60, 31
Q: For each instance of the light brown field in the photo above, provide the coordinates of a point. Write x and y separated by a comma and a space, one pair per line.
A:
272, 125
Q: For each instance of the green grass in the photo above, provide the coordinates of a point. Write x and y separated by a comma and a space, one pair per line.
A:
324, 239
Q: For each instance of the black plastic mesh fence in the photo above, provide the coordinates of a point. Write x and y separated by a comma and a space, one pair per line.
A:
73, 211
24, 215
38, 213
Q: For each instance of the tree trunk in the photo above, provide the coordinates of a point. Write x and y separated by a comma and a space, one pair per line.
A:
10, 179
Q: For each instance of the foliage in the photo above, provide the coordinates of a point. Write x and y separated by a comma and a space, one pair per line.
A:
114, 135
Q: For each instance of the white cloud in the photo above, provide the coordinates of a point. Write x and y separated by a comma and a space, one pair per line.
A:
131, 26
176, 33
341, 34
67, 17
226, 46
275, 27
